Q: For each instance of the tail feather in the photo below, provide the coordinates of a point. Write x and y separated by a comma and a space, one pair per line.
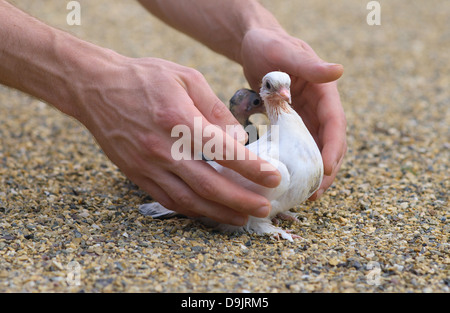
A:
156, 210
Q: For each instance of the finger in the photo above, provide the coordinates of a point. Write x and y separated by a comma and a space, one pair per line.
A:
332, 133
333, 127
225, 150
326, 182
334, 147
159, 194
171, 192
211, 185
231, 154
188, 202
214, 110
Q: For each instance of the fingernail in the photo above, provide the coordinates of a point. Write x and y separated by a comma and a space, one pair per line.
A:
272, 181
262, 211
331, 64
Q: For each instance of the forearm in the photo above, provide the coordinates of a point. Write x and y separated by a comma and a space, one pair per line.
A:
220, 25
43, 61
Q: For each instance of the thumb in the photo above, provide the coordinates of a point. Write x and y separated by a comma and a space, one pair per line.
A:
305, 63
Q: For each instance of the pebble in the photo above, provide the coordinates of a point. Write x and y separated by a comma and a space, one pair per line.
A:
69, 220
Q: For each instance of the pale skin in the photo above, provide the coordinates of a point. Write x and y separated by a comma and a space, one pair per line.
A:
130, 105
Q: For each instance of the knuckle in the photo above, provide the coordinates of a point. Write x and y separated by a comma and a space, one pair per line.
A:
184, 200
167, 118
207, 189
153, 147
205, 184
194, 75
303, 45
219, 111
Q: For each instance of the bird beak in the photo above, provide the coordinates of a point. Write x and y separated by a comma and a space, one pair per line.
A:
285, 94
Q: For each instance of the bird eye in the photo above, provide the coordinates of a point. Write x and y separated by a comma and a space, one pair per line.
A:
256, 102
268, 85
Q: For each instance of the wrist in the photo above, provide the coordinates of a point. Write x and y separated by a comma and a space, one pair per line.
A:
48, 63
85, 67
45, 62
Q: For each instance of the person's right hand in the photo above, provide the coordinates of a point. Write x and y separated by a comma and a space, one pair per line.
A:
131, 109
314, 91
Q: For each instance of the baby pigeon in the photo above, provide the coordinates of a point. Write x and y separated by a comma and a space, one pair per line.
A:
247, 107
245, 102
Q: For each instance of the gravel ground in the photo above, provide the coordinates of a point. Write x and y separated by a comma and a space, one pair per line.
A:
69, 219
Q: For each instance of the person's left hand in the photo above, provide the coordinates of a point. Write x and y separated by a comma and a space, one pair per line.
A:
314, 90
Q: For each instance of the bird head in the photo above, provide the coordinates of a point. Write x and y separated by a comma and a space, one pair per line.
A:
275, 92
276, 86
244, 103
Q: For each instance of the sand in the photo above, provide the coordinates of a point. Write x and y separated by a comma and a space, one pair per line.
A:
69, 219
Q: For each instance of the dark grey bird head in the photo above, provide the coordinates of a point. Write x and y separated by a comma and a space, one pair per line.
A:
244, 103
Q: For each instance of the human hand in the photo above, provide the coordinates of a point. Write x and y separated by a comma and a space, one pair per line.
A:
131, 109
314, 90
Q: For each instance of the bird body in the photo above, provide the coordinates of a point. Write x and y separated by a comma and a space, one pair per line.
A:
289, 147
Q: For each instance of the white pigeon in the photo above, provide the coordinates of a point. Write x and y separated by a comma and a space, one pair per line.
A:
295, 154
